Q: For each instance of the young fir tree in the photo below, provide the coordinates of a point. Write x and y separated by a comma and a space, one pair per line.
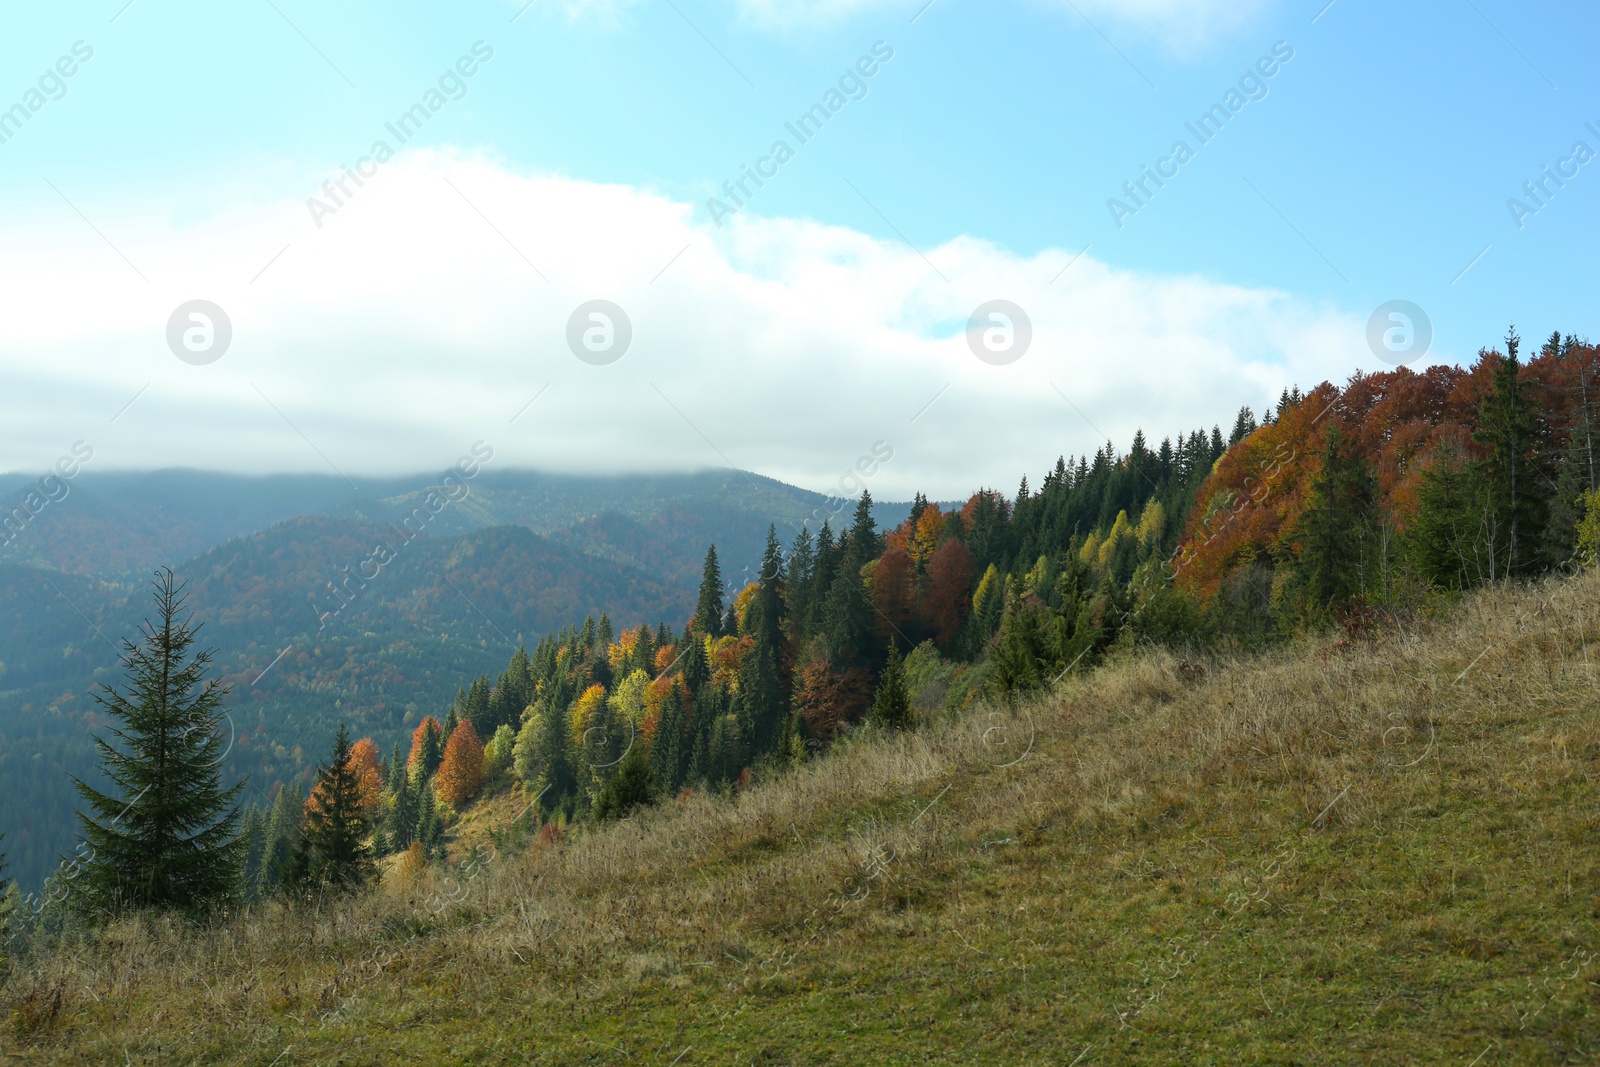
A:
335, 852
430, 831
166, 837
632, 786
891, 706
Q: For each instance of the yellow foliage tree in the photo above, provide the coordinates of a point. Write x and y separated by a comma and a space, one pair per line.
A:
583, 708
1151, 523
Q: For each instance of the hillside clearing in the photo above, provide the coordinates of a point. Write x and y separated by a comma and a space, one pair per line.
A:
1336, 853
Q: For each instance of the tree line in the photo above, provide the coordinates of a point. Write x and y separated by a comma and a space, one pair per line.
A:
1344, 507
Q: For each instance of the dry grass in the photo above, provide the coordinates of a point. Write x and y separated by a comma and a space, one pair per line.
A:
1373, 853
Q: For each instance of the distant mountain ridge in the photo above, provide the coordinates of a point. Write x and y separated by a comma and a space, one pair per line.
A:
522, 554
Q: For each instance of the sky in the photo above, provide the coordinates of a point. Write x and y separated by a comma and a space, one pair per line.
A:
979, 235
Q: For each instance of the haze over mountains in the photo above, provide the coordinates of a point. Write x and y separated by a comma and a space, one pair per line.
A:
522, 553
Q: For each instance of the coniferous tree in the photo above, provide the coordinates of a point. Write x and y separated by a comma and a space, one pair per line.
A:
405, 807
669, 748
1507, 422
633, 786
253, 842
168, 839
430, 830
1327, 542
1447, 540
761, 672
891, 705
823, 572
336, 853
797, 583
708, 608
282, 839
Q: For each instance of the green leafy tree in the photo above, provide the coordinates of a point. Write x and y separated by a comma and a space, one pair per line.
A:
167, 837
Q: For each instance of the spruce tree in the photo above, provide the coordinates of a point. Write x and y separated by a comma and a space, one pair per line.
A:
403, 814
282, 839
891, 705
797, 583
1328, 539
336, 852
761, 671
708, 608
1446, 540
1507, 425
167, 838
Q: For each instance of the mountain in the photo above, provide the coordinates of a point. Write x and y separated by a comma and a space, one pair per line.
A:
521, 554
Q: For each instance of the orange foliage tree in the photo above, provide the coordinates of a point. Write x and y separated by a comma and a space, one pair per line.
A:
364, 761
461, 773
1396, 421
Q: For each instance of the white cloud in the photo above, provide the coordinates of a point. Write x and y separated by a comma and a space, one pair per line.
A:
1180, 24
406, 328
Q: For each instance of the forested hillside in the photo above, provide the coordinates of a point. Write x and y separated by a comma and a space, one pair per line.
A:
1362, 508
518, 556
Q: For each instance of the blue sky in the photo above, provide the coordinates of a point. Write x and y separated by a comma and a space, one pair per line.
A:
179, 161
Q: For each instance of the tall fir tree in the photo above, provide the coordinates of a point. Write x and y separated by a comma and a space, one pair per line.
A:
708, 608
168, 837
762, 681
1507, 427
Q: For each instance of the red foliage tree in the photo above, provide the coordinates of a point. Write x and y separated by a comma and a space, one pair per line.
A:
894, 594
948, 600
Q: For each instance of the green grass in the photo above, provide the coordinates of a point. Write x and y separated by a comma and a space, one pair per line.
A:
1330, 855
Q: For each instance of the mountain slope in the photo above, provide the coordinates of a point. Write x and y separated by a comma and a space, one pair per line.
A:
1380, 852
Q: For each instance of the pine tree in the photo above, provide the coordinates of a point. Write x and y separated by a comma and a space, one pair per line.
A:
708, 608
1017, 658
891, 706
168, 839
336, 854
823, 569
1446, 540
